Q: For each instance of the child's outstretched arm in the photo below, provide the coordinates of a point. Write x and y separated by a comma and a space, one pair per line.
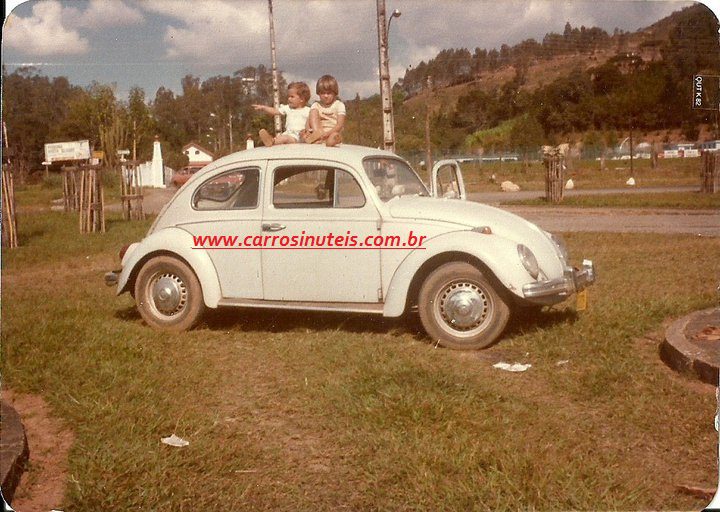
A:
268, 110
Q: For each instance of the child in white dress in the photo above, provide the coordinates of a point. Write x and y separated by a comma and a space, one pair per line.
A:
296, 114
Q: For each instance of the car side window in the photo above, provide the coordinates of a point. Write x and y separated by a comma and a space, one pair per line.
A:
237, 189
448, 182
313, 187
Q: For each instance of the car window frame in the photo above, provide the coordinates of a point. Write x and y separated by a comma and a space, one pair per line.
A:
310, 167
258, 195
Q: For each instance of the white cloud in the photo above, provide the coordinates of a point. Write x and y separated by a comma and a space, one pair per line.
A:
213, 30
43, 33
52, 29
106, 13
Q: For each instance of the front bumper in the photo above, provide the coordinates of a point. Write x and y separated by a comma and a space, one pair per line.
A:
573, 280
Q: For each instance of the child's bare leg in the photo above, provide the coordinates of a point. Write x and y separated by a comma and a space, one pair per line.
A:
315, 132
285, 139
266, 138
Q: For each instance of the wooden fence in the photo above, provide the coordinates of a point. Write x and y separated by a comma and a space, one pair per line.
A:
131, 191
554, 171
710, 179
92, 200
9, 217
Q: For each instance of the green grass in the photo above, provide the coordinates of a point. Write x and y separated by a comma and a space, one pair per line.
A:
586, 174
39, 192
671, 200
301, 411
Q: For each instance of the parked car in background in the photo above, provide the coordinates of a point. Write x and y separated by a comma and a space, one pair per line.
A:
347, 228
179, 178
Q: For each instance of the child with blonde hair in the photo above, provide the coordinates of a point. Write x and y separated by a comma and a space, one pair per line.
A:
296, 114
327, 116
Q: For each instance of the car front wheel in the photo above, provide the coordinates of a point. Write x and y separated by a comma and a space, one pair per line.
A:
460, 308
169, 295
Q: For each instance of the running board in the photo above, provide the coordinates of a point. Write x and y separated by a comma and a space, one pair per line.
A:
347, 307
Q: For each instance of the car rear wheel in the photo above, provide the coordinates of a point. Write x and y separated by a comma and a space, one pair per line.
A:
460, 308
168, 295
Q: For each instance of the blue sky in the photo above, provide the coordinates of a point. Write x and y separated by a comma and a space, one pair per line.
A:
153, 43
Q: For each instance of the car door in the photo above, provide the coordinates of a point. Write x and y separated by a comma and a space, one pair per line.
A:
447, 180
227, 212
315, 223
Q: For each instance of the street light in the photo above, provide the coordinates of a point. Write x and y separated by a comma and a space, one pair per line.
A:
395, 14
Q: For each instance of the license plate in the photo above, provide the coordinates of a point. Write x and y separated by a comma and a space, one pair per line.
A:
581, 300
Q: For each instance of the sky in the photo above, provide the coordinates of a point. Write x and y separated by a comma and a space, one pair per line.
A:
154, 43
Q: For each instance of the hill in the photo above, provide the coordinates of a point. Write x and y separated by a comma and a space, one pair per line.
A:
580, 81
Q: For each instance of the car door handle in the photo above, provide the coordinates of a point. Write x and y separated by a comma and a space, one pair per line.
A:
273, 227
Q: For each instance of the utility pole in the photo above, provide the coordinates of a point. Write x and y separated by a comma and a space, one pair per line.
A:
231, 128
428, 146
385, 91
275, 85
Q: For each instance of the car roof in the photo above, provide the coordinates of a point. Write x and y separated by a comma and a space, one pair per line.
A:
342, 152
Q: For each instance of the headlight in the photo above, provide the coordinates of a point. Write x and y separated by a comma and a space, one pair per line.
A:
528, 260
562, 247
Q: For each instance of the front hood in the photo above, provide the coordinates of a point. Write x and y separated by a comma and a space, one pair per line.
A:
466, 214
461, 215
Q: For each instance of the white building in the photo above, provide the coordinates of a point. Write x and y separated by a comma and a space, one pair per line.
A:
197, 155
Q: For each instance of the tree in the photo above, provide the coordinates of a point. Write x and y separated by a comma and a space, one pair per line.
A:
140, 124
32, 107
526, 136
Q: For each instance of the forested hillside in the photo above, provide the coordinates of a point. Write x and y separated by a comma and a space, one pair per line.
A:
582, 81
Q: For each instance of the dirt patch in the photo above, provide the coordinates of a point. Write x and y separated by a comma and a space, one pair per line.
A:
42, 486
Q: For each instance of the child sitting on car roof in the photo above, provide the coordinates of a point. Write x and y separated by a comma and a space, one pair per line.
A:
296, 114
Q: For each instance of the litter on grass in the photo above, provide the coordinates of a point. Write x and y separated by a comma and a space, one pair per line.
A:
515, 367
174, 440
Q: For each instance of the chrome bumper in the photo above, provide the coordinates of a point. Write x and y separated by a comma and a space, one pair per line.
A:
111, 278
573, 280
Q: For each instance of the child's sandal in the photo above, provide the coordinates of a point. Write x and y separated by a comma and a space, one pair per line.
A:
333, 140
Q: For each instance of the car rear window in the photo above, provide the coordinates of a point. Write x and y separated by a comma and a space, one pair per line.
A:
231, 190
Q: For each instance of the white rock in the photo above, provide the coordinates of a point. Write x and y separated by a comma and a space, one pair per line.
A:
630, 182
174, 440
569, 184
516, 367
509, 186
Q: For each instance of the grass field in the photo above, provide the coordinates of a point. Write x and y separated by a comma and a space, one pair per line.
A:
299, 411
586, 174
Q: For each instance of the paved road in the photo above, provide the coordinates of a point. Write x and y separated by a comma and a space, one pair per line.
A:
617, 220
523, 195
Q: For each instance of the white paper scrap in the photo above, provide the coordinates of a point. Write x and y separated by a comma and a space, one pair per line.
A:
516, 367
174, 440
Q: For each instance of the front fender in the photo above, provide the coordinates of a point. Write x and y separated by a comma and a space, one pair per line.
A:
497, 253
177, 242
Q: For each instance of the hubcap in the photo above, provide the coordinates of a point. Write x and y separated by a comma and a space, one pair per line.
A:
463, 306
169, 294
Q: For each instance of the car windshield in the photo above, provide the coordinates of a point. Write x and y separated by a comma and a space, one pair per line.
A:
393, 178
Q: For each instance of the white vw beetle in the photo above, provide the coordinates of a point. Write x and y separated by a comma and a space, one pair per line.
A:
346, 228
